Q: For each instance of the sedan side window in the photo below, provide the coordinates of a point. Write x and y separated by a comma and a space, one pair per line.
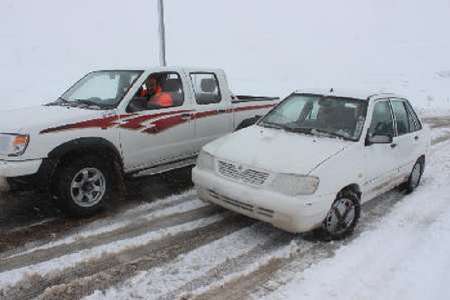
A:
401, 117
382, 122
414, 123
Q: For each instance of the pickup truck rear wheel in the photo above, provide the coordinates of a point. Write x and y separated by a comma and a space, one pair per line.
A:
84, 185
342, 217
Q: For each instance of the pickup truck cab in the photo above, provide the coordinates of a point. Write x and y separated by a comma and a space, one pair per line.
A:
315, 158
134, 122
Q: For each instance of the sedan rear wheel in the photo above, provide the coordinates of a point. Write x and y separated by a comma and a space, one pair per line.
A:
415, 176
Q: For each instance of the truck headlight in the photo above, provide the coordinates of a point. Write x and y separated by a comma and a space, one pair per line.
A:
205, 161
293, 185
13, 144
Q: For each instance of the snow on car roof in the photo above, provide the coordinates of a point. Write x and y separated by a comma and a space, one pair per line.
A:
350, 93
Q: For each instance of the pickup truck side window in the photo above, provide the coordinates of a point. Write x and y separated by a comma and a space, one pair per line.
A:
206, 88
382, 121
159, 90
401, 117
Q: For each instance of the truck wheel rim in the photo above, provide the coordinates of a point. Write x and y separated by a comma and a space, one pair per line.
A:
88, 187
340, 217
415, 175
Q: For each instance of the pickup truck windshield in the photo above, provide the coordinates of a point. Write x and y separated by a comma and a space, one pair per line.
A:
99, 89
319, 115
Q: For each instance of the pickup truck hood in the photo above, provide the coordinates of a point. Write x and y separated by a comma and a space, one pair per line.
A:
276, 150
35, 119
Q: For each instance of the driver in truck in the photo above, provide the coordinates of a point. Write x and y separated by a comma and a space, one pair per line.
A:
158, 97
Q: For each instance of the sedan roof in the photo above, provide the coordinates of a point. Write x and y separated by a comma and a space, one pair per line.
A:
348, 93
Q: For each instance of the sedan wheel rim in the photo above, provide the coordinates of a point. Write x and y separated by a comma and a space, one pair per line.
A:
88, 187
415, 175
340, 217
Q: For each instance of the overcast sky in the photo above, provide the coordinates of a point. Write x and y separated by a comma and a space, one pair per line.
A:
265, 46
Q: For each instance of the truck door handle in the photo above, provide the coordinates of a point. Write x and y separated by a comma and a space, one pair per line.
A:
186, 116
393, 145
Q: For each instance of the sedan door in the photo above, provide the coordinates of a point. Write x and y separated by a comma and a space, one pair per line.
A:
381, 159
408, 139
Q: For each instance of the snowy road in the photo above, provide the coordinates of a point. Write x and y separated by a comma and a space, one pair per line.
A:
180, 247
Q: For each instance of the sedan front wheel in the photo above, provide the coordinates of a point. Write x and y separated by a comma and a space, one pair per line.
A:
342, 216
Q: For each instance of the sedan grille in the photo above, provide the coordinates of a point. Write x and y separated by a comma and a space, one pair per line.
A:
249, 176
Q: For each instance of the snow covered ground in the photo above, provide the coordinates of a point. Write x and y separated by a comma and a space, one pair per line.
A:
178, 247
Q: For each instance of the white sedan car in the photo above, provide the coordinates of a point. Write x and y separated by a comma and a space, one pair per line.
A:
314, 159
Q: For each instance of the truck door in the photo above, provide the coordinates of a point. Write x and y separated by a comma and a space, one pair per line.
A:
213, 114
158, 127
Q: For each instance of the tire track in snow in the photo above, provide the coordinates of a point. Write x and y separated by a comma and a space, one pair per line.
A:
264, 278
128, 219
28, 237
111, 269
140, 227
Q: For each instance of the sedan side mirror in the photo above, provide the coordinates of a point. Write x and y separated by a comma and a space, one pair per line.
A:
378, 139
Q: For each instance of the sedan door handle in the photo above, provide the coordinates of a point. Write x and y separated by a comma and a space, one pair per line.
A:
393, 145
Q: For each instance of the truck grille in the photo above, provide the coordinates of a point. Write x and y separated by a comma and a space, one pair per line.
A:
249, 176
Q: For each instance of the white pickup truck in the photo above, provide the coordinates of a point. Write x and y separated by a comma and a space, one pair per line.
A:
134, 122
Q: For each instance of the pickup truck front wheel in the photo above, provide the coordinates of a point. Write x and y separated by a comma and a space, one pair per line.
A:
85, 184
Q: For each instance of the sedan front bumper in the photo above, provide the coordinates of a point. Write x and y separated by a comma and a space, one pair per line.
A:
293, 214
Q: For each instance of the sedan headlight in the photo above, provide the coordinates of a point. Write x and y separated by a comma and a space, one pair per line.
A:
293, 185
13, 144
205, 161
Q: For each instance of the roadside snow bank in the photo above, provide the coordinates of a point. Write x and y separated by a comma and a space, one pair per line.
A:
404, 257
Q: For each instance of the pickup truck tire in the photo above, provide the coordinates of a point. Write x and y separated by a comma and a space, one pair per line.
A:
415, 176
84, 185
343, 216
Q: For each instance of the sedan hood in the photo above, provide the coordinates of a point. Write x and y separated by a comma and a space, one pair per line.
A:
276, 150
35, 119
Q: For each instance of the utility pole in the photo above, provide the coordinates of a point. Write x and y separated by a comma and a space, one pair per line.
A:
162, 34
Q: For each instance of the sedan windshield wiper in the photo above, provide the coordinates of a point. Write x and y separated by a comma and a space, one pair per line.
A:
335, 134
268, 124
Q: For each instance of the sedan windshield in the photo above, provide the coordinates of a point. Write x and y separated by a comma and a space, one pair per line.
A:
100, 89
319, 115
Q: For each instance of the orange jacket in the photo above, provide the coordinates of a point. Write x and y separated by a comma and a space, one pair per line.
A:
162, 99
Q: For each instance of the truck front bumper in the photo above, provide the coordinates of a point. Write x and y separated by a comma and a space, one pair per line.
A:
10, 169
293, 214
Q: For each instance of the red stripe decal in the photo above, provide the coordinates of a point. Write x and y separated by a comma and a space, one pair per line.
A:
134, 122
102, 123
